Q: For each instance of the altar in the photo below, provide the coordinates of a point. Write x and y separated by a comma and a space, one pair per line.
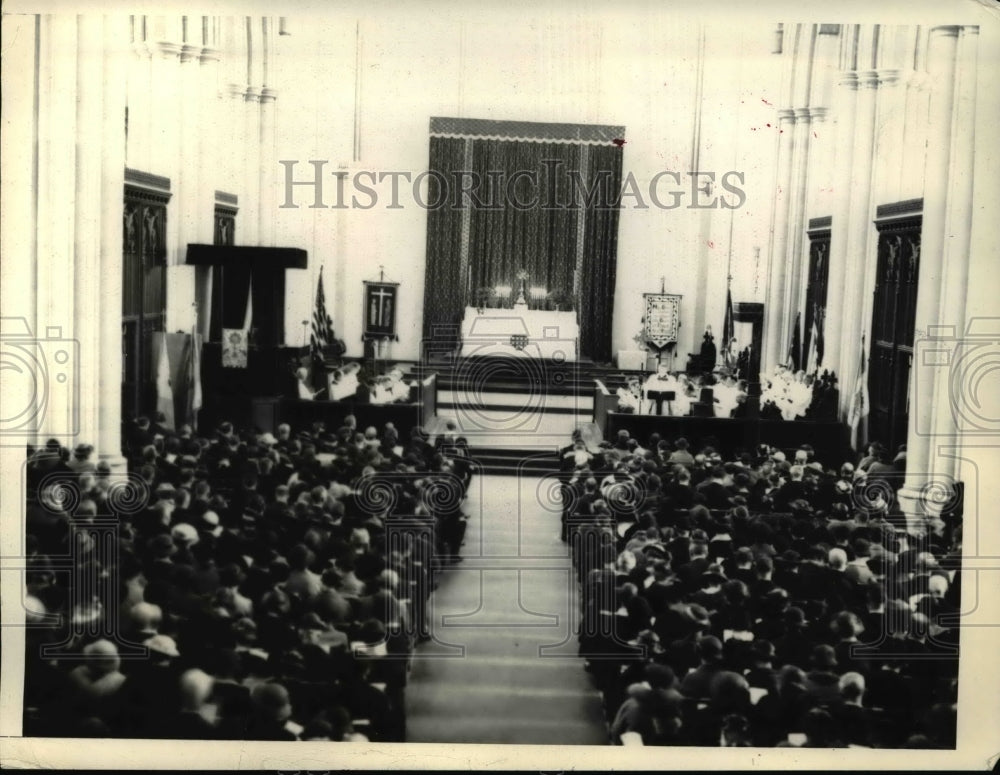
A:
520, 333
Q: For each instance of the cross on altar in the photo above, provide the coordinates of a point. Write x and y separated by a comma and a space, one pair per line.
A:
380, 309
377, 315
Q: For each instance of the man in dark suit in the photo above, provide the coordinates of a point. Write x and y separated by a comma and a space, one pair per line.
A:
714, 489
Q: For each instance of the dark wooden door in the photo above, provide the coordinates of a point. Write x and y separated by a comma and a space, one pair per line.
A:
144, 293
893, 318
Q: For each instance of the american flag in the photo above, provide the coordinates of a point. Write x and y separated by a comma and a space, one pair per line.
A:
728, 331
858, 412
322, 325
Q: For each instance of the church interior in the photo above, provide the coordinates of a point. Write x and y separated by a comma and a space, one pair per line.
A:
596, 379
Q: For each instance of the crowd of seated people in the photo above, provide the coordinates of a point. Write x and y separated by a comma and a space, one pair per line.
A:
768, 600
247, 589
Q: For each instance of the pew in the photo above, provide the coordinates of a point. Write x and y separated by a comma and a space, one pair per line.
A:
301, 414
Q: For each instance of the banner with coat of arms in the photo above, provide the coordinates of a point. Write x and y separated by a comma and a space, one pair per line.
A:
662, 318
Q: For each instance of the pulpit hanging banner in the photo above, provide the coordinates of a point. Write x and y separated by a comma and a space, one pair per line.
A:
662, 318
380, 310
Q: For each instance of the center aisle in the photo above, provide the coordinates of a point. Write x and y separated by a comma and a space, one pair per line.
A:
502, 665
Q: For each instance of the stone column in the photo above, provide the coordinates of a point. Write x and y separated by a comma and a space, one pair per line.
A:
856, 230
775, 314
839, 329
797, 265
140, 95
250, 211
926, 400
267, 210
915, 122
212, 139
87, 209
109, 442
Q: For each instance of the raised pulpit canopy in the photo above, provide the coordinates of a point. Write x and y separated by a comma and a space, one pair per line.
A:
254, 255
246, 270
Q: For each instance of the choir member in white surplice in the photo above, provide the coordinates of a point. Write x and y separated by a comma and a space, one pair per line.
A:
391, 388
306, 393
687, 394
344, 382
662, 381
727, 397
630, 398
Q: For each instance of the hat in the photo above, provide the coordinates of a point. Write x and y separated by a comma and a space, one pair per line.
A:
162, 644
184, 534
711, 578
372, 632
800, 506
210, 523
789, 557
245, 627
710, 648
268, 439
824, 656
82, 450
272, 700
659, 676
34, 610
161, 545
795, 616
762, 650
333, 606
698, 616
146, 617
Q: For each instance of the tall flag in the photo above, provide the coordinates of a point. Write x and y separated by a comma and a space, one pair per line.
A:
858, 413
795, 348
322, 325
164, 389
819, 318
815, 356
194, 378
320, 336
728, 331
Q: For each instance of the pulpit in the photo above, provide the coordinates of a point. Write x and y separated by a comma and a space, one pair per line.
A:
256, 275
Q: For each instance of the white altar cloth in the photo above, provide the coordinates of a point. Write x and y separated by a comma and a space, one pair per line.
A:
520, 333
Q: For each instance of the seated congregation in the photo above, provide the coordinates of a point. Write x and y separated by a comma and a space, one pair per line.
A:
761, 601
251, 593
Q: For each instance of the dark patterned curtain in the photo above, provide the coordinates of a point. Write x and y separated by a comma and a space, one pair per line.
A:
444, 283
506, 237
533, 207
600, 251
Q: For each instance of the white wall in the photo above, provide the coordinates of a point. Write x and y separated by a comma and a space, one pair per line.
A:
636, 71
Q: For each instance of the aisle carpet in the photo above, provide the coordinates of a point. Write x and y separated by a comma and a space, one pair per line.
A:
502, 667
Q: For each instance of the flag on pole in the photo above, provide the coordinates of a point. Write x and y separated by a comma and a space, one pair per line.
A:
815, 357
858, 414
194, 378
164, 389
728, 331
320, 336
795, 347
322, 326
